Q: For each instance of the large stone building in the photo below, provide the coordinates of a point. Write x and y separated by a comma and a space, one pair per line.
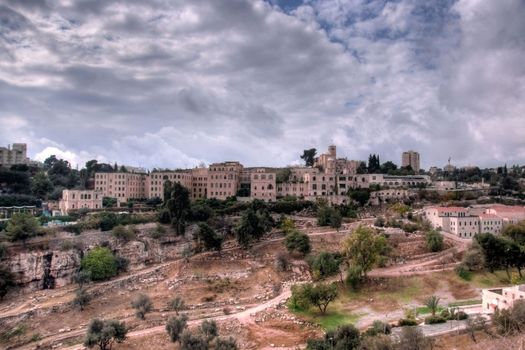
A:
262, 185
123, 186
224, 179
13, 155
411, 158
80, 199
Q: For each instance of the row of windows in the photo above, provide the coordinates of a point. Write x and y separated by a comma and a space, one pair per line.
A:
263, 177
220, 185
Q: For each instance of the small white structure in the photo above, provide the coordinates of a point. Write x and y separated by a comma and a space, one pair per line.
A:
501, 298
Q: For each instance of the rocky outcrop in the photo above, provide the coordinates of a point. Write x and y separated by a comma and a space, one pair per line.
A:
53, 265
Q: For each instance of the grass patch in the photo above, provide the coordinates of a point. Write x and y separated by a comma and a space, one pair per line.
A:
330, 320
465, 303
423, 310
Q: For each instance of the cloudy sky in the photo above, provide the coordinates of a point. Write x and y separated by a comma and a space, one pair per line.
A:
171, 83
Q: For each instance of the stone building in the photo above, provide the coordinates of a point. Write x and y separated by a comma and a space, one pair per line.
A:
411, 158
224, 179
122, 186
262, 185
80, 199
501, 298
13, 155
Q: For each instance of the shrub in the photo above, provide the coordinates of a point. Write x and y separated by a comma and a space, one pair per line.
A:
226, 344
122, 264
108, 221
100, 264
354, 276
176, 304
124, 234
434, 320
190, 341
281, 262
463, 272
434, 241
104, 333
379, 327
297, 241
209, 330
142, 305
379, 222
175, 326
158, 232
21, 226
82, 298
407, 322
325, 264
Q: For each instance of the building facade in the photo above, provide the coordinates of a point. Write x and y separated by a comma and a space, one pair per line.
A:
13, 155
80, 199
224, 179
262, 185
411, 158
501, 298
122, 186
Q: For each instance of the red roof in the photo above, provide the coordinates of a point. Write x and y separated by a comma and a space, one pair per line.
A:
451, 209
508, 208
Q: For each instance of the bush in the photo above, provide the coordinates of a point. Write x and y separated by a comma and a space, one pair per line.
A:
104, 332
379, 222
434, 241
226, 344
176, 304
107, 221
22, 226
463, 272
325, 264
82, 298
142, 305
124, 234
297, 241
281, 262
100, 264
379, 327
158, 232
354, 276
407, 322
175, 327
434, 320
190, 341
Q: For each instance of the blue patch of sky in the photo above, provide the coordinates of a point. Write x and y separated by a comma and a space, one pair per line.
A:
286, 5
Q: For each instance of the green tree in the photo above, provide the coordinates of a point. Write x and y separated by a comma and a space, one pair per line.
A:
434, 241
210, 238
253, 225
175, 326
209, 330
22, 226
432, 303
363, 248
515, 232
100, 263
191, 341
103, 333
123, 233
309, 156
7, 281
41, 185
319, 295
176, 304
361, 196
329, 216
178, 206
297, 241
326, 264
287, 225
142, 305
82, 298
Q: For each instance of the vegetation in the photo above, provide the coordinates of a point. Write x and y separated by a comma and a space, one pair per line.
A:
412, 338
329, 216
434, 241
123, 233
22, 226
309, 156
510, 321
142, 305
361, 196
190, 341
297, 241
209, 238
363, 248
432, 303
99, 263
344, 337
255, 222
501, 252
177, 199
309, 294
103, 333
175, 326
176, 304
82, 298
325, 264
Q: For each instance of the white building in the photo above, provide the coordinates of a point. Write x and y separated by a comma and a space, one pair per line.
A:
501, 298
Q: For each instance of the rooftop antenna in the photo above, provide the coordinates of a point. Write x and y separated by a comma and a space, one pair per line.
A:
449, 160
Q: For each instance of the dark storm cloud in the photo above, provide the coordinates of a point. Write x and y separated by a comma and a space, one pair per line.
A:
173, 83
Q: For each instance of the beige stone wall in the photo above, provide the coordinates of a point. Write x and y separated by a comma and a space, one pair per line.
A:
78, 199
262, 185
224, 179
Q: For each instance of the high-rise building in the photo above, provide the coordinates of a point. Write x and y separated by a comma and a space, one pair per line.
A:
17, 154
411, 158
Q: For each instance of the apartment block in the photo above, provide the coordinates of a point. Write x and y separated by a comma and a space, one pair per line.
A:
224, 179
122, 186
13, 155
156, 179
80, 199
262, 185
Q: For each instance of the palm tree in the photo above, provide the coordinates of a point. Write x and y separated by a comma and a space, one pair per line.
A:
432, 303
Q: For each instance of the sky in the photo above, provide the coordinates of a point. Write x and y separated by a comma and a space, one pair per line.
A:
172, 84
